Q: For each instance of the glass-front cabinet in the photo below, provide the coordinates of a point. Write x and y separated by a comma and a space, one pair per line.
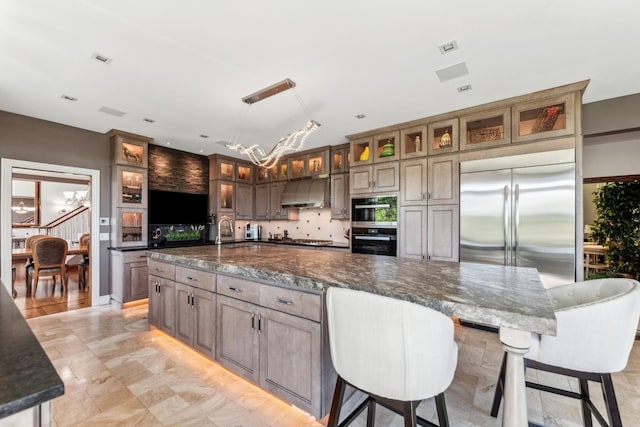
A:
244, 172
310, 164
131, 227
131, 187
443, 137
129, 151
413, 142
340, 158
485, 129
546, 118
361, 151
225, 196
385, 147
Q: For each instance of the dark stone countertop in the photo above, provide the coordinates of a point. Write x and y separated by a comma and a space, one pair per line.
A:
498, 295
27, 377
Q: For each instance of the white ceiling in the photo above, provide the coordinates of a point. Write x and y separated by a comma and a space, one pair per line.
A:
187, 64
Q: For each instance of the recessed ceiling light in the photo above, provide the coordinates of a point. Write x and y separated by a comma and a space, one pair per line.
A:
202, 135
101, 58
168, 143
360, 116
69, 98
464, 88
448, 47
148, 120
202, 151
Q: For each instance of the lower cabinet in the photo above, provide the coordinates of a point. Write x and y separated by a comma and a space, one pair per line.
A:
443, 233
129, 276
273, 336
413, 232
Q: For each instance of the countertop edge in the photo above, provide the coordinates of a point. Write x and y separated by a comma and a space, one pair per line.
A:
21, 354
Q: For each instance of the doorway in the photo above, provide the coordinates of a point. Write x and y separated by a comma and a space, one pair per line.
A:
9, 168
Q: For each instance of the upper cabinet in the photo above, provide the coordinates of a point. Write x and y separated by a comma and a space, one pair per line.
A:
485, 129
312, 163
413, 142
443, 136
546, 118
340, 158
383, 147
129, 149
131, 187
244, 172
361, 151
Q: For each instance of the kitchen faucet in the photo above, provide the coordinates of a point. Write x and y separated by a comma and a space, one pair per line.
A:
227, 219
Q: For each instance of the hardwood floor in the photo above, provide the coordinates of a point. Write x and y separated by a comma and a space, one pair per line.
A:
48, 300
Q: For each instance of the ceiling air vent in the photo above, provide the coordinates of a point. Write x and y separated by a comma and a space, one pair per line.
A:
112, 111
452, 72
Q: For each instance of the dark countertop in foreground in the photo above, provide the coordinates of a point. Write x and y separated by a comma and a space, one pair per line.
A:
27, 377
498, 295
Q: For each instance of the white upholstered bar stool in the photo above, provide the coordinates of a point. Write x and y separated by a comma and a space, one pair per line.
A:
396, 352
596, 326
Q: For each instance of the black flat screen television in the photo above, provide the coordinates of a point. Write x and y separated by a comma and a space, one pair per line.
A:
169, 207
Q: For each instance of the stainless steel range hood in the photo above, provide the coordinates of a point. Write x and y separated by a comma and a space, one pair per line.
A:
307, 193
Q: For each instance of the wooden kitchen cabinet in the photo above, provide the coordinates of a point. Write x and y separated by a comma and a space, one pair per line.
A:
443, 182
278, 349
413, 142
129, 227
442, 137
312, 163
443, 233
340, 158
244, 201
129, 276
386, 147
379, 178
131, 187
545, 118
268, 201
129, 149
413, 182
340, 206
485, 129
162, 296
413, 232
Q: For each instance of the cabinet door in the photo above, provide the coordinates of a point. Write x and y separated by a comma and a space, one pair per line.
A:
130, 228
237, 336
547, 118
130, 187
361, 151
413, 142
276, 209
290, 358
340, 196
204, 311
361, 180
263, 204
168, 306
443, 233
413, 182
184, 314
155, 304
413, 232
386, 177
225, 197
444, 180
136, 281
442, 137
386, 147
244, 201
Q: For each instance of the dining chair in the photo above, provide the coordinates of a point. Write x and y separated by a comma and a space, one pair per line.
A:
49, 259
28, 244
396, 352
81, 262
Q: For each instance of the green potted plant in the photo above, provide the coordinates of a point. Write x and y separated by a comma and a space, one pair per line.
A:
617, 225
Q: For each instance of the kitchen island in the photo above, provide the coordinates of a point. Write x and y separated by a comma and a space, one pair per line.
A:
511, 298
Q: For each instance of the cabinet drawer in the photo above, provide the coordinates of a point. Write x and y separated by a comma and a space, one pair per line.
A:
197, 278
135, 256
239, 288
162, 269
290, 301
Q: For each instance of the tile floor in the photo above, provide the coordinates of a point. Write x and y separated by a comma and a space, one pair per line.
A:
119, 372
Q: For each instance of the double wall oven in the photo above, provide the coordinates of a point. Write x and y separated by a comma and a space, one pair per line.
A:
374, 225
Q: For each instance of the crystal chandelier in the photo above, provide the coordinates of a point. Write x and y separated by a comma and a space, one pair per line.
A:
292, 142
76, 197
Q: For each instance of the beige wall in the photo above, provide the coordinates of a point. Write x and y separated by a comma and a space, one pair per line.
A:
611, 115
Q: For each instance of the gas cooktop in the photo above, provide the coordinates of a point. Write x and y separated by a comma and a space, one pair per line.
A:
309, 242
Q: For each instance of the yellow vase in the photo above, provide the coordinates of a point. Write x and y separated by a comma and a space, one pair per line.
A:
365, 154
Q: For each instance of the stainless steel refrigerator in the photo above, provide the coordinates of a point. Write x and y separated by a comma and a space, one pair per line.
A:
520, 211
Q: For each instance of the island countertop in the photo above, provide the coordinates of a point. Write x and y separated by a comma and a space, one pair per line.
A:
27, 377
498, 295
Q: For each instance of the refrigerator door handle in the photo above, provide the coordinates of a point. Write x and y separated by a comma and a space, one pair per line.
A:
505, 216
516, 220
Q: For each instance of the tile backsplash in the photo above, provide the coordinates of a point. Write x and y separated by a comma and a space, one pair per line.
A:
312, 224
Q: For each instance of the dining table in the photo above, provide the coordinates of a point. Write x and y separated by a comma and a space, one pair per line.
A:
27, 254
